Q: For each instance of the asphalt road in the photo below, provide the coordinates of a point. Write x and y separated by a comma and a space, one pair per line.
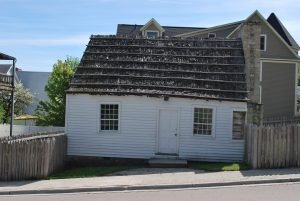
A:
274, 192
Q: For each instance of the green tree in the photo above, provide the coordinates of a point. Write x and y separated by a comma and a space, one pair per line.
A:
23, 98
52, 112
2, 113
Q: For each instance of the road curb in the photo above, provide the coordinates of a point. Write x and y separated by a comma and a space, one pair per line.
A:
152, 187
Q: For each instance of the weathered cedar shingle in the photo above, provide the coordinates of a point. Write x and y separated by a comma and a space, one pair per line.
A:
189, 68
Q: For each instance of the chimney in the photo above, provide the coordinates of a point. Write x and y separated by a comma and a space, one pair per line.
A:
250, 34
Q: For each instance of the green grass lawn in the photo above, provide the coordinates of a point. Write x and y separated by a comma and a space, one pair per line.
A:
82, 172
218, 166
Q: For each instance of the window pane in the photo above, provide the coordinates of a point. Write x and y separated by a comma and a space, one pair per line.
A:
203, 121
152, 34
109, 117
262, 42
238, 123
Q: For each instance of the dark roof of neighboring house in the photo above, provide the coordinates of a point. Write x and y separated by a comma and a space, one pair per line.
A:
4, 68
212, 29
134, 30
187, 68
5, 80
6, 57
282, 31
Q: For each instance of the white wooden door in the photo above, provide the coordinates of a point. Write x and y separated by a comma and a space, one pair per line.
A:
167, 132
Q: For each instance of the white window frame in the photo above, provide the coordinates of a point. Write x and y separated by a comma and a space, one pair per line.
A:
265, 46
156, 31
99, 118
214, 35
237, 110
213, 121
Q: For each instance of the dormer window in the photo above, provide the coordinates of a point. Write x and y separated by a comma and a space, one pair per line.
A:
152, 29
263, 42
152, 34
211, 35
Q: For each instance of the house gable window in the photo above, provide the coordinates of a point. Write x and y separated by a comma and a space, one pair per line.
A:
263, 42
212, 35
109, 117
238, 123
151, 34
152, 29
203, 121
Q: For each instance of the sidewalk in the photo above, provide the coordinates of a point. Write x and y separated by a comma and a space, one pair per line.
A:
154, 178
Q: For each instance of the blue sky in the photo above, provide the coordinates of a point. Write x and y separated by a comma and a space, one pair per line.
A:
38, 33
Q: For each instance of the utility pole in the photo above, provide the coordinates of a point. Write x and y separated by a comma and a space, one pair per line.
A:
12, 99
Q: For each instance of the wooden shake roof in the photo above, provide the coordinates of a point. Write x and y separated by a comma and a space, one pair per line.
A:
187, 68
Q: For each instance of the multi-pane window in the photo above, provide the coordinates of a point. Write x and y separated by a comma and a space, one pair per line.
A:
263, 41
152, 34
109, 117
212, 35
238, 123
203, 121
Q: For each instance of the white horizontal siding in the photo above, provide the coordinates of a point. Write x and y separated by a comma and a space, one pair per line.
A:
137, 137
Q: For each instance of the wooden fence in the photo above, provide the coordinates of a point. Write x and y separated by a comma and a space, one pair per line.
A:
272, 146
282, 120
28, 130
32, 157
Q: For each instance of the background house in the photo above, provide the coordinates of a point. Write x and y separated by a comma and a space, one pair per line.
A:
35, 82
278, 60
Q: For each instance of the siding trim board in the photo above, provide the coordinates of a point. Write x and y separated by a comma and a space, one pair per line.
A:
296, 84
260, 71
260, 91
279, 60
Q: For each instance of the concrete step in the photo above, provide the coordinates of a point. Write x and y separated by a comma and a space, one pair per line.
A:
163, 162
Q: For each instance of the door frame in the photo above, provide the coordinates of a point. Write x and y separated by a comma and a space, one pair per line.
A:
157, 128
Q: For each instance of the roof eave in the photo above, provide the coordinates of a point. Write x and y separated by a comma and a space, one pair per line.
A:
219, 27
152, 21
156, 95
6, 57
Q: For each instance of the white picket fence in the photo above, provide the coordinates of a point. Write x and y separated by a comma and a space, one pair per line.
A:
25, 130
